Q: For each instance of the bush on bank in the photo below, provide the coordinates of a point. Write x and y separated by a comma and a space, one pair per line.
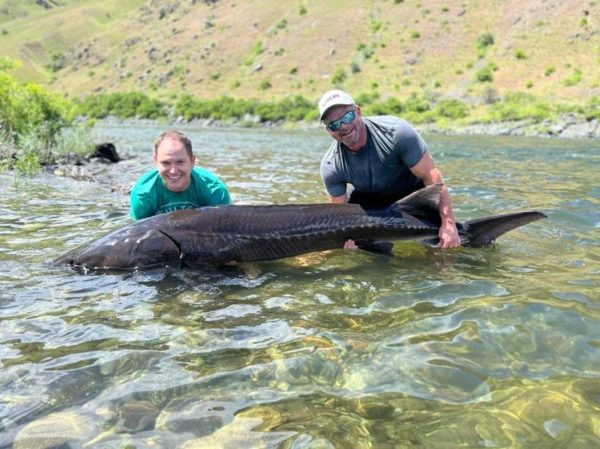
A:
31, 121
29, 108
122, 105
417, 108
226, 108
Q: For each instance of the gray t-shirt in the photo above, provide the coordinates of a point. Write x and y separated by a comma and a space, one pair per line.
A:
382, 165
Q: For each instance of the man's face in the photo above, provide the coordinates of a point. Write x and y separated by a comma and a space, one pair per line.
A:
174, 164
350, 134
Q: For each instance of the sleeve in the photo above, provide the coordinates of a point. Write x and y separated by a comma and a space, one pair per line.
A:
140, 205
213, 191
334, 184
218, 193
409, 144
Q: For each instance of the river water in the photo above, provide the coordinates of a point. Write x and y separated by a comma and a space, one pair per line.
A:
471, 348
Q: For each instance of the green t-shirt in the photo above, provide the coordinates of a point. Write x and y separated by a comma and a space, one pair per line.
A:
149, 195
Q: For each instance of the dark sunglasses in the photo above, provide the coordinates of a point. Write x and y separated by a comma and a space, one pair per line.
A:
348, 117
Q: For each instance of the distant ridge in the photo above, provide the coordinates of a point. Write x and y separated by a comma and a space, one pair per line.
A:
268, 49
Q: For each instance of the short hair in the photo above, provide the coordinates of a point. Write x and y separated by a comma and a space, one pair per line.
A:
175, 135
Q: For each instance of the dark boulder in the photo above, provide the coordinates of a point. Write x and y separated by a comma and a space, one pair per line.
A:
106, 151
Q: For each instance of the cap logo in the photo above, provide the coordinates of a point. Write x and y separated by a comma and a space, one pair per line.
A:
331, 97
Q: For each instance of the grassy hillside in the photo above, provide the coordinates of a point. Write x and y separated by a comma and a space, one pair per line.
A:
268, 49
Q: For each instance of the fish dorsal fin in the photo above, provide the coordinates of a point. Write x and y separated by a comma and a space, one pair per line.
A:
424, 203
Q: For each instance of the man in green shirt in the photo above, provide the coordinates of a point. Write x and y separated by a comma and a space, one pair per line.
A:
175, 183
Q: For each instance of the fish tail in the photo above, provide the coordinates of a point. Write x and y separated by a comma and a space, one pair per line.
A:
484, 231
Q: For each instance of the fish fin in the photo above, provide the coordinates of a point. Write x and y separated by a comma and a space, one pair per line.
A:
484, 231
432, 242
375, 246
422, 204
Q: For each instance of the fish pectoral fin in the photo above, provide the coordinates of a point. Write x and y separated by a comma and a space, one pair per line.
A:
431, 242
375, 246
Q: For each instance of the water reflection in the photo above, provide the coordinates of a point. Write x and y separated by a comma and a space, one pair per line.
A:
475, 348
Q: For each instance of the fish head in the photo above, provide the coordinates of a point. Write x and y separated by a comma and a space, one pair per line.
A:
132, 248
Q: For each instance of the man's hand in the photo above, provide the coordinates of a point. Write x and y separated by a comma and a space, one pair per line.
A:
349, 244
448, 234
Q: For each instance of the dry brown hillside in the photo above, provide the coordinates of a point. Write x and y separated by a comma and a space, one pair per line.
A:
266, 49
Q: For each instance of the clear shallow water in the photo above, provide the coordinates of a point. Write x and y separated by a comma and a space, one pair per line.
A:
472, 348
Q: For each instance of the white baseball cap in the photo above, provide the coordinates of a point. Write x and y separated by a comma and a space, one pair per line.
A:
333, 98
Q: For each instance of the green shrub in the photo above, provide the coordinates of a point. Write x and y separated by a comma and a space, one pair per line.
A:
73, 143
484, 75
31, 123
29, 109
417, 104
574, 78
591, 110
364, 99
28, 161
57, 62
291, 108
485, 40
338, 77
258, 48
520, 106
122, 105
452, 109
368, 52
392, 106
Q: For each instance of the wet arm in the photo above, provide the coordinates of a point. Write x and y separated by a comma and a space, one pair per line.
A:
430, 174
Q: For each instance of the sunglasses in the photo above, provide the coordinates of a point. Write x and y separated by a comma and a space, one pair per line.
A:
348, 117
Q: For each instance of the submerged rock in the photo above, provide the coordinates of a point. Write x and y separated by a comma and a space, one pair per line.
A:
56, 430
78, 172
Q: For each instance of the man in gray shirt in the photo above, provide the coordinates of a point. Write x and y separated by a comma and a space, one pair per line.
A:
383, 158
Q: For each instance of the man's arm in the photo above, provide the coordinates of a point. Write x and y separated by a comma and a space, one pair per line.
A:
348, 244
430, 174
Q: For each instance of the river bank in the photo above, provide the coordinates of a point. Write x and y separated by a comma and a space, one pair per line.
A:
568, 126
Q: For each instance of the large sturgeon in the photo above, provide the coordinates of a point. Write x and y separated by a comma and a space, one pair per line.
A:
235, 233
